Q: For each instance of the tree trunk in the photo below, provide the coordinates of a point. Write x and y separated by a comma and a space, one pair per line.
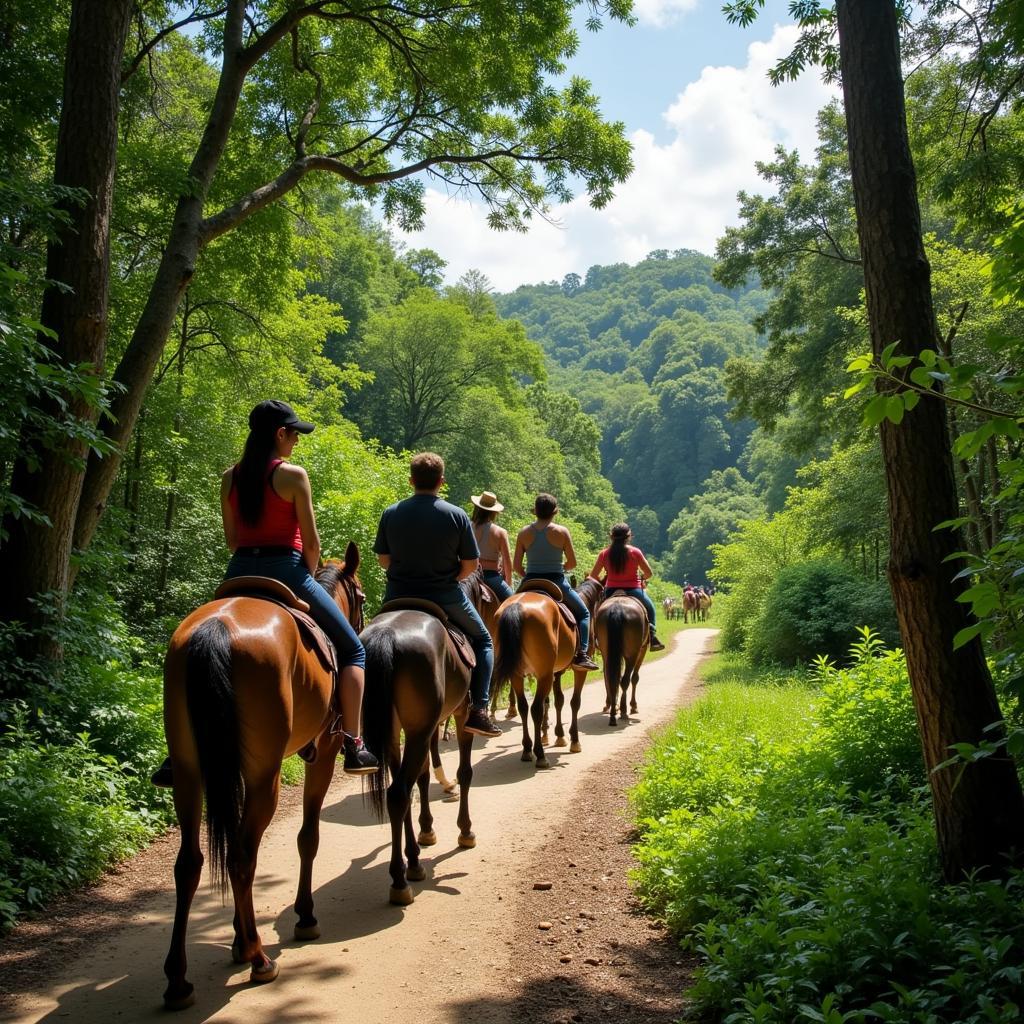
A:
35, 559
979, 814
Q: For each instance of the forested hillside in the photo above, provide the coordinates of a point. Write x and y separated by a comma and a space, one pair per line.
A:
644, 349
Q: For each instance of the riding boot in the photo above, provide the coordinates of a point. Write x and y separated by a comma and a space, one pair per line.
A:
583, 660
655, 643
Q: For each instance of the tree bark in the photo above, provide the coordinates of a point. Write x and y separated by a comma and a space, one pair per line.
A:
35, 559
979, 814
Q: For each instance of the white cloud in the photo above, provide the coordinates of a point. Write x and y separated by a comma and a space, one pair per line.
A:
682, 194
661, 12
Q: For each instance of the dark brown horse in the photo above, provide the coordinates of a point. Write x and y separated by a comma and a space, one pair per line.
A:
413, 683
241, 692
533, 639
623, 637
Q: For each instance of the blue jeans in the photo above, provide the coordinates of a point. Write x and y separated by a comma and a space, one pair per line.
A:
571, 598
292, 572
458, 608
641, 596
497, 583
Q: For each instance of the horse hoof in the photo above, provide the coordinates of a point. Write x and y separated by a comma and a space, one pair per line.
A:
450, 788
307, 932
182, 1002
543, 762
611, 721
605, 710
576, 748
545, 740
401, 897
510, 714
417, 873
527, 756
266, 974
467, 842
561, 741
427, 838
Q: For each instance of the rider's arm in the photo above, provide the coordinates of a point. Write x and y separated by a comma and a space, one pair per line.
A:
570, 554
595, 573
292, 483
227, 516
645, 567
517, 562
506, 558
467, 566
384, 561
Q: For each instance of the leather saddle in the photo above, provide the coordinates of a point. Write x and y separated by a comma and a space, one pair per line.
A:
276, 592
554, 591
458, 643
629, 597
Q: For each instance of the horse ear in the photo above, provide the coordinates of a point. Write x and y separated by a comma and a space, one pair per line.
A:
351, 558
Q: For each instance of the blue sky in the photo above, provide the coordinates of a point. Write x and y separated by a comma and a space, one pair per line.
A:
692, 92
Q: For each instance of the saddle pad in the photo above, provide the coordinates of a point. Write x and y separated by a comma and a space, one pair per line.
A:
545, 586
252, 585
458, 642
312, 635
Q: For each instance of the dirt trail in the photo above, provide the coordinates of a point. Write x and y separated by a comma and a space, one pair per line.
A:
443, 959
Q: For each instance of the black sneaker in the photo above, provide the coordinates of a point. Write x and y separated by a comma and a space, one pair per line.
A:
162, 777
656, 644
584, 661
479, 724
358, 760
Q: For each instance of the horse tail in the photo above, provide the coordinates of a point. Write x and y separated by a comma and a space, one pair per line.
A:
613, 656
510, 644
378, 709
210, 698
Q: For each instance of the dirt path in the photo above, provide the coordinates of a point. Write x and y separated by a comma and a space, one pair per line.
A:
470, 946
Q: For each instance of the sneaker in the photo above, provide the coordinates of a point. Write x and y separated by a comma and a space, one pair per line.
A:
358, 760
656, 644
162, 777
479, 723
584, 661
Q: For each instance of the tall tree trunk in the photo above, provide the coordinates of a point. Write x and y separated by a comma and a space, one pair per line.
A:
35, 559
172, 491
979, 814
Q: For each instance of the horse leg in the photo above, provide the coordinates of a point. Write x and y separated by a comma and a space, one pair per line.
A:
188, 803
544, 683
560, 740
435, 759
399, 799
624, 682
260, 804
520, 694
545, 736
465, 775
634, 679
427, 835
317, 782
416, 872
579, 678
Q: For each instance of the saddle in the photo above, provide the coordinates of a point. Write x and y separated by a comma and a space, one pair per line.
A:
276, 592
458, 643
629, 597
552, 590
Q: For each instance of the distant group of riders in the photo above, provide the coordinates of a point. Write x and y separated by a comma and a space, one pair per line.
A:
247, 681
693, 604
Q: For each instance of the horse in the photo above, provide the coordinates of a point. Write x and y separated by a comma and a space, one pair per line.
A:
533, 639
704, 605
623, 635
668, 606
690, 605
413, 683
241, 692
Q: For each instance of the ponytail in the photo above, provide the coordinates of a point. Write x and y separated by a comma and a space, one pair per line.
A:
251, 473
617, 554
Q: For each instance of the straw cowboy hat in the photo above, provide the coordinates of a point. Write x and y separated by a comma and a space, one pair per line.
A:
488, 501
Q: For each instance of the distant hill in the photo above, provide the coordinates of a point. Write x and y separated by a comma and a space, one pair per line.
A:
643, 348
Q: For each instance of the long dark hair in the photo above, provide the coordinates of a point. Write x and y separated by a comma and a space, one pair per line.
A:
251, 472
482, 515
617, 554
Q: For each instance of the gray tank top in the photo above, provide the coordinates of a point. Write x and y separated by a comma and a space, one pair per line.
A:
542, 555
487, 542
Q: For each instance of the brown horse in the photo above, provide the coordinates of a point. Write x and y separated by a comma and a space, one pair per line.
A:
704, 606
534, 639
241, 692
413, 683
623, 636
691, 605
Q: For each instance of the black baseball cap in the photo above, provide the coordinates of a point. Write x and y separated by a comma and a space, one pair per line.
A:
271, 414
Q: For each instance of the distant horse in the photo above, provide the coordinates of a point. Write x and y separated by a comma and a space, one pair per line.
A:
241, 692
691, 605
704, 605
668, 607
623, 636
413, 683
534, 639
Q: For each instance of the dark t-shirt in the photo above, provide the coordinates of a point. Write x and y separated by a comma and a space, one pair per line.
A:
427, 539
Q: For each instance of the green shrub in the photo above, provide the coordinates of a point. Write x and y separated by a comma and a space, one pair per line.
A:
814, 608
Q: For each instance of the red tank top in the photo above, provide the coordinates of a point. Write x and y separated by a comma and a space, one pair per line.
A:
278, 525
629, 577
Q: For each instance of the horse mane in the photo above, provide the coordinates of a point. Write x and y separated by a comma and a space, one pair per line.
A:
590, 583
472, 586
329, 576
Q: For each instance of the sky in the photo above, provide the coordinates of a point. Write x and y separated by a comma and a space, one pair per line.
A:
693, 93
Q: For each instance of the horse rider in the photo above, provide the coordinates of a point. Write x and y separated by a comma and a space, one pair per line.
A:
270, 528
426, 545
492, 540
627, 570
549, 555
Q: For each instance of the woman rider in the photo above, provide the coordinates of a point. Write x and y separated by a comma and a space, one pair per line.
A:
267, 510
549, 555
627, 569
492, 540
